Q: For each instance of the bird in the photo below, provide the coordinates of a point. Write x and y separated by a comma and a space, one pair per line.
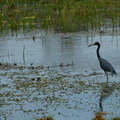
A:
104, 64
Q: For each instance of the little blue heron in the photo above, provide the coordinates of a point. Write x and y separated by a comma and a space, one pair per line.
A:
105, 65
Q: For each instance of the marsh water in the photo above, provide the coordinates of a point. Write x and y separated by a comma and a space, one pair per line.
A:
48, 73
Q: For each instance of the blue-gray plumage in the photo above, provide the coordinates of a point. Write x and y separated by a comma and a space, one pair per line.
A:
105, 65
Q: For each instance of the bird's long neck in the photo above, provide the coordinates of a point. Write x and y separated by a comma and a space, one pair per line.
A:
98, 55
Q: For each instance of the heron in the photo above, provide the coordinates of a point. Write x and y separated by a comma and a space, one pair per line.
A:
104, 64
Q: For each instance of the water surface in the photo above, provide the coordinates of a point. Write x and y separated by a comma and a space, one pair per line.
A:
58, 75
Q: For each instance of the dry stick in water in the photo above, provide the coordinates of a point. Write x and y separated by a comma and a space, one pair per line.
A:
24, 54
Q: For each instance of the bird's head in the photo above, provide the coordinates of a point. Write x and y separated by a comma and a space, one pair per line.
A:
96, 43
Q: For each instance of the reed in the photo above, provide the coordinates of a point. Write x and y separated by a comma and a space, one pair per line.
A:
64, 15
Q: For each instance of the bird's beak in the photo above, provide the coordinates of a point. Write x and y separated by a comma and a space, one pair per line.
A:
91, 45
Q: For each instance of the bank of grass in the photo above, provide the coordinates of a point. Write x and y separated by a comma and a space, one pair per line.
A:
45, 118
65, 15
118, 118
98, 116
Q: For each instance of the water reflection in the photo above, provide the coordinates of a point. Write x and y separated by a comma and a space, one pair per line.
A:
50, 49
106, 91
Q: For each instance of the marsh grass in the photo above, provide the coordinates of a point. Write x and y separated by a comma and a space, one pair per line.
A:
45, 118
117, 118
64, 15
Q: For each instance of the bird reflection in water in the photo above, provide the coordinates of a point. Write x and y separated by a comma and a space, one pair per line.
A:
106, 91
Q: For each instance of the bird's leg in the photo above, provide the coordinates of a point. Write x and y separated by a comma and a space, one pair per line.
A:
107, 76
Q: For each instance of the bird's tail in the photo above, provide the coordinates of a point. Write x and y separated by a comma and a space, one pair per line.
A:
114, 72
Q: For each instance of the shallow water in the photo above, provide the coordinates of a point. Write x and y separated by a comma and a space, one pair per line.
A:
57, 75
51, 49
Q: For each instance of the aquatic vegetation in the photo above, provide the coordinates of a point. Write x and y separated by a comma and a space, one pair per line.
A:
61, 15
34, 91
118, 118
98, 116
45, 118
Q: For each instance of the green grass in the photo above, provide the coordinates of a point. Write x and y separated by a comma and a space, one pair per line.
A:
118, 118
64, 15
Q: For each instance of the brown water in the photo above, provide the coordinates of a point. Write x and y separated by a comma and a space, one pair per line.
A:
57, 75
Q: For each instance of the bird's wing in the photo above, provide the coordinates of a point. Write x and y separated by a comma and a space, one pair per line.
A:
106, 66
